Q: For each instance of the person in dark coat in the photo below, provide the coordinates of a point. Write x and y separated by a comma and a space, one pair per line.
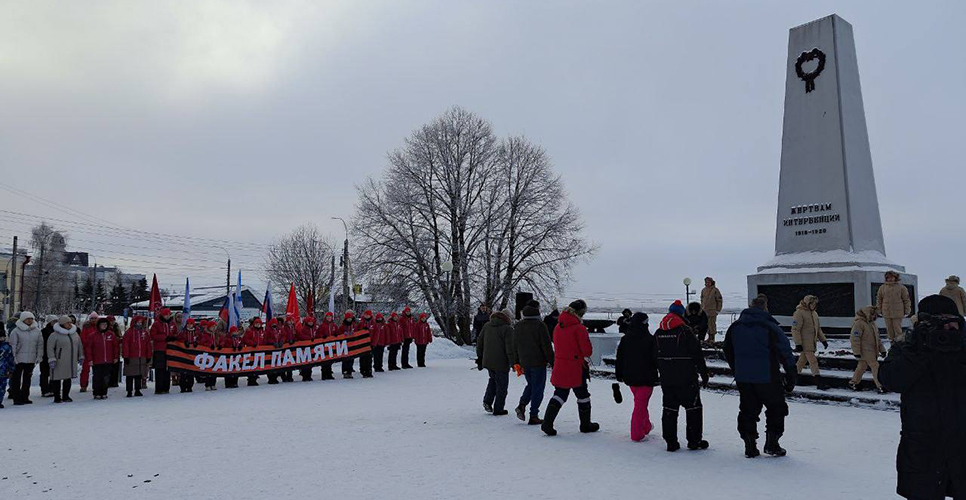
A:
624, 321
571, 370
636, 366
494, 349
551, 321
46, 390
533, 351
756, 347
482, 316
680, 362
697, 320
928, 369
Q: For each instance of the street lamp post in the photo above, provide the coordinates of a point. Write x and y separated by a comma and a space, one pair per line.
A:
687, 291
228, 274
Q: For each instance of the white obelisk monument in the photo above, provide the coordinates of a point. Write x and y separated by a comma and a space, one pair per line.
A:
828, 240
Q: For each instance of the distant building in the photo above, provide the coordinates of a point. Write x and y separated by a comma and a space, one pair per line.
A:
206, 302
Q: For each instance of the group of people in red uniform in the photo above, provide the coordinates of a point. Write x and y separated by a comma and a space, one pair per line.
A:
143, 348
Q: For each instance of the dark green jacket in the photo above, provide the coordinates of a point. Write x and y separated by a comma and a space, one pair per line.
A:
495, 345
532, 342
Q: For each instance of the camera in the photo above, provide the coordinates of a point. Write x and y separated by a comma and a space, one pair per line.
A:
937, 333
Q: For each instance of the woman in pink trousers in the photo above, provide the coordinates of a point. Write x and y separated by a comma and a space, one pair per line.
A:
637, 367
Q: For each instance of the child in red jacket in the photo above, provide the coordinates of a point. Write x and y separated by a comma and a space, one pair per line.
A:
407, 326
234, 342
253, 338
327, 329
103, 350
189, 337
306, 332
378, 339
394, 339
137, 350
423, 336
347, 327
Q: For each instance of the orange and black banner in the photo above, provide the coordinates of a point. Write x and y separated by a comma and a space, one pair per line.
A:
266, 359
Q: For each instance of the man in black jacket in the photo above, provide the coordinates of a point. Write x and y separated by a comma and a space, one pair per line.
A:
482, 316
533, 353
551, 321
755, 348
929, 369
680, 362
494, 349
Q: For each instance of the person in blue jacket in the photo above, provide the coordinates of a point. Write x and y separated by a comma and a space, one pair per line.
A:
7, 363
756, 348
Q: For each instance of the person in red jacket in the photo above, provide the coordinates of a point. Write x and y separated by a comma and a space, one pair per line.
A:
253, 338
306, 332
408, 327
162, 331
272, 337
423, 336
378, 339
137, 349
394, 339
365, 360
115, 379
572, 349
233, 341
327, 329
103, 350
287, 335
189, 337
347, 327
207, 339
87, 329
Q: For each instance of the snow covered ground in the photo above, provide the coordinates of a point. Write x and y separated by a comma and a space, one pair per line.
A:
418, 433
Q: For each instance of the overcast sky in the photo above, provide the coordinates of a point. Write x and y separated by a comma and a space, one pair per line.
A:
241, 120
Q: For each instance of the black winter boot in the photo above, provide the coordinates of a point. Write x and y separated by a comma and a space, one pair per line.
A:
695, 428
553, 408
772, 447
669, 428
521, 412
488, 407
586, 426
821, 384
751, 447
534, 421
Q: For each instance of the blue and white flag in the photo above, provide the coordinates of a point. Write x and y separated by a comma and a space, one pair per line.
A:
237, 301
186, 308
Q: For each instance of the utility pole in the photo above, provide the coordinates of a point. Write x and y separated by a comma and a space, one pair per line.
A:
228, 279
13, 278
40, 273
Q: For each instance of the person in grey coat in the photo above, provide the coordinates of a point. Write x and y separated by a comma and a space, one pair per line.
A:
65, 353
28, 346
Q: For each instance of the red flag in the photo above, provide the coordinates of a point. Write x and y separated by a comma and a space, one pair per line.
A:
310, 304
292, 308
154, 303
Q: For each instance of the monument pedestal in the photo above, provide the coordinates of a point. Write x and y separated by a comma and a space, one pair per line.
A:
828, 240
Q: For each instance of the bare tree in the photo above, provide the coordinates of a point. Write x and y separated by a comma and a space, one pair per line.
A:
301, 258
533, 234
455, 194
46, 281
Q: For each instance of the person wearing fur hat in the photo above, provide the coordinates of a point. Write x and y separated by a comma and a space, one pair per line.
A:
394, 337
494, 351
408, 328
65, 353
45, 387
571, 368
253, 338
422, 336
232, 340
137, 350
28, 345
347, 327
7, 364
379, 339
86, 330
893, 303
807, 333
711, 303
928, 369
365, 360
953, 291
163, 330
189, 337
103, 349
636, 366
327, 329
680, 363
866, 346
306, 333
532, 353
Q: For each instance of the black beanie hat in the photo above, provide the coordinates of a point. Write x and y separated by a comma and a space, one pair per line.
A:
579, 306
937, 305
